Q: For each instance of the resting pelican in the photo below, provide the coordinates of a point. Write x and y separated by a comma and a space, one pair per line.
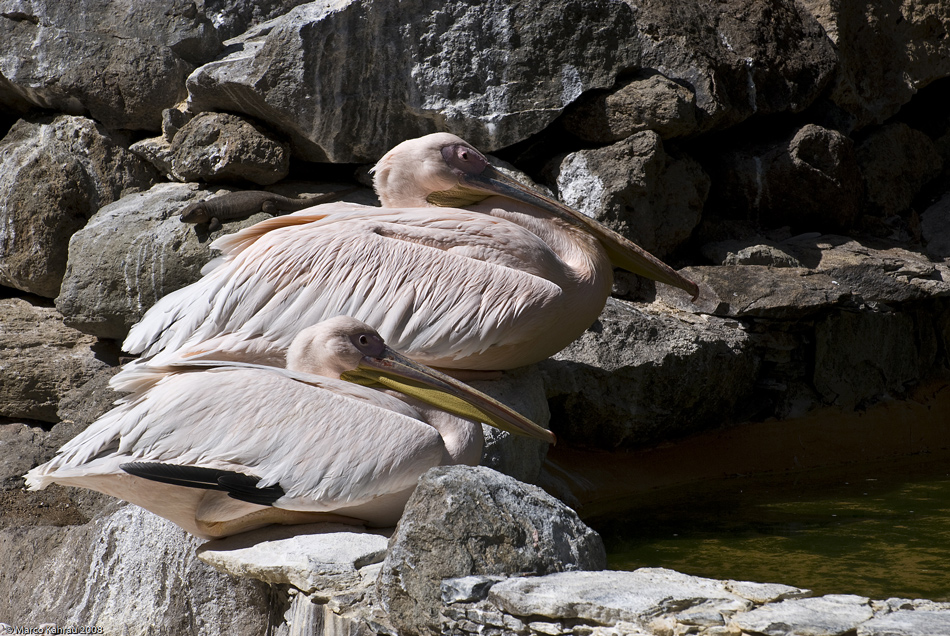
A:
507, 281
226, 448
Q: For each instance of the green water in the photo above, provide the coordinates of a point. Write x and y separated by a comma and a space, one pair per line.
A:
879, 533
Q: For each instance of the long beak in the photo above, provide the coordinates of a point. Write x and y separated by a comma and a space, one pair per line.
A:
622, 252
399, 373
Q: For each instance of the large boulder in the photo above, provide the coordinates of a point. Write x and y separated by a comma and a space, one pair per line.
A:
217, 147
867, 355
515, 455
935, 229
119, 64
465, 521
887, 52
809, 181
896, 161
517, 79
637, 189
648, 101
128, 572
54, 175
740, 57
42, 360
643, 373
281, 71
130, 254
653, 600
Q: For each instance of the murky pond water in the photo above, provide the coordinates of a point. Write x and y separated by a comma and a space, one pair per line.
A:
878, 532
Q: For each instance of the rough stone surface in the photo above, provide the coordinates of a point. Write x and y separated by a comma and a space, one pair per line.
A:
427, 45
741, 253
120, 64
834, 270
513, 90
222, 147
130, 254
515, 455
896, 161
859, 356
465, 520
637, 189
649, 101
128, 572
829, 615
54, 175
907, 623
640, 374
740, 57
641, 597
810, 181
887, 51
873, 271
323, 557
743, 291
935, 228
41, 360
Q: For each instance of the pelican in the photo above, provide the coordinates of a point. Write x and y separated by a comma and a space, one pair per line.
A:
222, 448
509, 280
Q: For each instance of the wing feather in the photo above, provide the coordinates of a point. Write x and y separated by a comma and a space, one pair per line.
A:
324, 447
434, 292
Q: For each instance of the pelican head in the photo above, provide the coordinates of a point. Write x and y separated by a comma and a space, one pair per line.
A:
442, 169
351, 350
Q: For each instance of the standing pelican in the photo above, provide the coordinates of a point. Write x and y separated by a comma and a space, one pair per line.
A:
507, 281
224, 448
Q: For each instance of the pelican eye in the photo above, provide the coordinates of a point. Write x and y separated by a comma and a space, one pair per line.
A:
464, 159
369, 344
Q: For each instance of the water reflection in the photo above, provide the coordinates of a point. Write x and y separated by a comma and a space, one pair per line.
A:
879, 533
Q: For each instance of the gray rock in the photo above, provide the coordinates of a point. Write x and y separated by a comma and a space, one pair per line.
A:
130, 254
516, 81
836, 269
935, 229
642, 597
742, 291
222, 147
859, 356
643, 373
514, 455
464, 520
907, 623
823, 616
740, 57
128, 572
873, 271
760, 593
740, 253
649, 101
42, 360
637, 189
886, 52
54, 175
320, 557
120, 64
809, 180
158, 152
896, 162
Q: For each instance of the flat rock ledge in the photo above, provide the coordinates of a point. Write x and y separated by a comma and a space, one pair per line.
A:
340, 597
468, 558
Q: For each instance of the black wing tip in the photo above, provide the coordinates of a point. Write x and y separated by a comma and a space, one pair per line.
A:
238, 485
176, 474
244, 488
